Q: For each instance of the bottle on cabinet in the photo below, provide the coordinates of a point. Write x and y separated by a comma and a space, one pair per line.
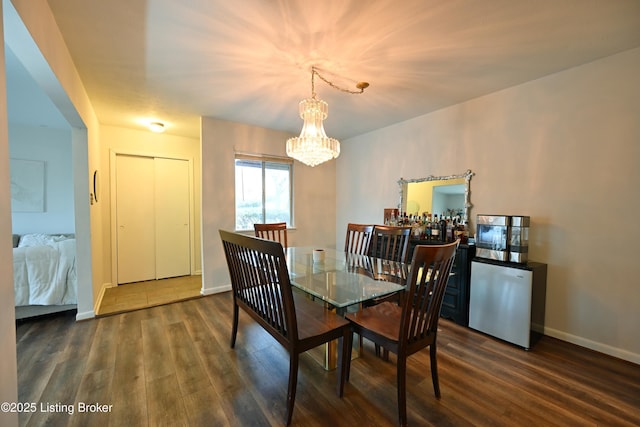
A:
443, 228
450, 227
392, 219
435, 228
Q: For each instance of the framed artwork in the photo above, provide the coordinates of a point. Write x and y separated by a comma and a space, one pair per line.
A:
27, 185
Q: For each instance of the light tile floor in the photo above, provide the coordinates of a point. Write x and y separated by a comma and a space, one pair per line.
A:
134, 296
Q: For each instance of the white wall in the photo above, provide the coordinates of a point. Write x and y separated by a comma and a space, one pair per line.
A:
145, 143
8, 363
314, 193
53, 146
563, 149
42, 51
69, 96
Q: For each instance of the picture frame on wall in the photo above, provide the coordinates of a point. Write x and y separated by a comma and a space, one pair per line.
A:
27, 185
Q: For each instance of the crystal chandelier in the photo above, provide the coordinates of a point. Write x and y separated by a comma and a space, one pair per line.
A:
313, 146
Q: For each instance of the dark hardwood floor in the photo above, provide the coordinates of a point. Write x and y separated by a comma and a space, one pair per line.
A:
171, 365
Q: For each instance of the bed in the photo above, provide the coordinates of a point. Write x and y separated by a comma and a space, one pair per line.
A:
44, 273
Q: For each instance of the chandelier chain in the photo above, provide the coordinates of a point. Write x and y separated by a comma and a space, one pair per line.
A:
314, 72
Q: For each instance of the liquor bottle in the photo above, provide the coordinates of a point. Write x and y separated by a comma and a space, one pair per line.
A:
443, 228
465, 233
458, 230
449, 225
435, 228
427, 228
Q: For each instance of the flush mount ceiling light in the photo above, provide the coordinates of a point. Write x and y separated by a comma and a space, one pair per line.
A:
157, 127
313, 146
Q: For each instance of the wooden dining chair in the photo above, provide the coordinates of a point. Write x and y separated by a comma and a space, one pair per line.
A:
390, 242
407, 329
276, 231
262, 288
358, 238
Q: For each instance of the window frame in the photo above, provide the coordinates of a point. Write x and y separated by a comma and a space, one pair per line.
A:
264, 160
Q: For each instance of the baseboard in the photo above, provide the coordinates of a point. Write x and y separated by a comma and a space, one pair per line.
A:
86, 315
593, 345
98, 302
216, 290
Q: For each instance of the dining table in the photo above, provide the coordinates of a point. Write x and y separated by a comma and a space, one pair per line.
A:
343, 282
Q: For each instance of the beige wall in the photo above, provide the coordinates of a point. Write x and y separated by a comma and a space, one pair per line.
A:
144, 143
564, 149
314, 193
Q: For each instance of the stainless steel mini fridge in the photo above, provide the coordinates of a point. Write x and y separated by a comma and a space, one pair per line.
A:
507, 300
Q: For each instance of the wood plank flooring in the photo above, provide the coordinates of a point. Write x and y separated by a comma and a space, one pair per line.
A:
171, 365
134, 296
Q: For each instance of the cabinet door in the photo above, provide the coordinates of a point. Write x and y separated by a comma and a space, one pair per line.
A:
455, 305
451, 304
500, 302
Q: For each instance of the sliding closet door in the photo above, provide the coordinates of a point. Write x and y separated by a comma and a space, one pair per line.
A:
135, 218
173, 257
153, 218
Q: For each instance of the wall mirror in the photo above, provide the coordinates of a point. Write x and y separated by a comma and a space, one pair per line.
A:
437, 195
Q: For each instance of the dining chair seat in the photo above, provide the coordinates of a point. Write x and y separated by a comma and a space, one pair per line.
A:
382, 318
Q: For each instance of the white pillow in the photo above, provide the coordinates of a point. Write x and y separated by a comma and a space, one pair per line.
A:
36, 240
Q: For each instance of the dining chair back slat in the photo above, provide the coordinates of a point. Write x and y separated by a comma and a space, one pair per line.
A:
276, 231
358, 238
390, 242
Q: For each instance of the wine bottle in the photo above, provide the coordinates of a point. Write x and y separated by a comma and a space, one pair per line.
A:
435, 228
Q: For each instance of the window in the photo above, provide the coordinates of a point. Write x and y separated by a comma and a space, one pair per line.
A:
263, 191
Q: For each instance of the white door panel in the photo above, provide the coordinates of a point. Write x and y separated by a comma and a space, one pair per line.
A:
135, 221
173, 256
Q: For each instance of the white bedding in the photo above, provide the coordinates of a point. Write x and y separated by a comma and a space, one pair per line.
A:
46, 274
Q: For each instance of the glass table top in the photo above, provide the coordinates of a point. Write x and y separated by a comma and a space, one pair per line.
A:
344, 279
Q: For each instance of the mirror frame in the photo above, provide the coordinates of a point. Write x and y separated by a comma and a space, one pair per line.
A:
467, 191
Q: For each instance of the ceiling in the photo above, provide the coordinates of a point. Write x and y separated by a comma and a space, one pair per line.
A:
249, 61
